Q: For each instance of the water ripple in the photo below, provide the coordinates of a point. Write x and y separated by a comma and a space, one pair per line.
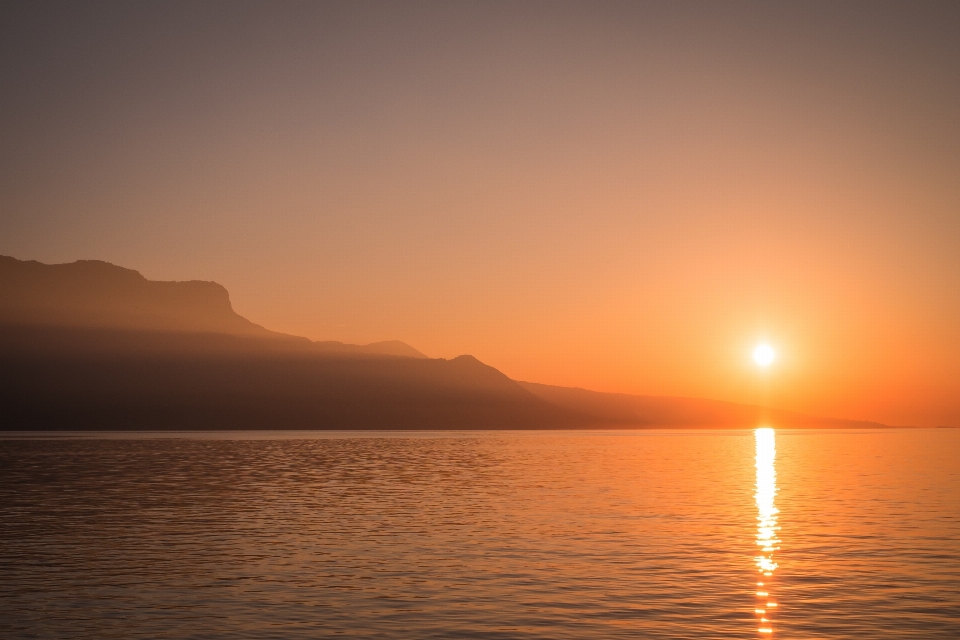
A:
483, 535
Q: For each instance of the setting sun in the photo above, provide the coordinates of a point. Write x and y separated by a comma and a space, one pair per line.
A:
764, 355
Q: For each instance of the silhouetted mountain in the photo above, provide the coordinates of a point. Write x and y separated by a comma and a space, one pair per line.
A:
80, 378
666, 411
89, 345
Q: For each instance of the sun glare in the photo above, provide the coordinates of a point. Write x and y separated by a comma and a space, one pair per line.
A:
767, 527
764, 355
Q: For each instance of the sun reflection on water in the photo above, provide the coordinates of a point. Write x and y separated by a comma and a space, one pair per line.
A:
767, 528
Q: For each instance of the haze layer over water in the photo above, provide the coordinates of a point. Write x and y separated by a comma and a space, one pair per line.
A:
489, 534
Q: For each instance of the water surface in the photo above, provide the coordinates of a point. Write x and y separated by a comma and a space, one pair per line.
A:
648, 534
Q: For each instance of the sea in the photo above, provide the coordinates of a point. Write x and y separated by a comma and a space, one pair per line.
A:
753, 533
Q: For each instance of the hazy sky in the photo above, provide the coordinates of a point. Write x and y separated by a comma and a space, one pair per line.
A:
618, 196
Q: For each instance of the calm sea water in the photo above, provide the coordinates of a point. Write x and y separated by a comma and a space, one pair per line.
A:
485, 535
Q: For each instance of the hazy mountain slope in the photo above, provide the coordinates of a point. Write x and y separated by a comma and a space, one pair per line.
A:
666, 411
387, 348
92, 293
98, 294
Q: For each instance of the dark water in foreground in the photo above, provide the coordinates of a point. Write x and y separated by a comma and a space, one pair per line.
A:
534, 535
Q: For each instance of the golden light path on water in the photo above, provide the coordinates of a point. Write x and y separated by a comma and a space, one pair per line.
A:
767, 540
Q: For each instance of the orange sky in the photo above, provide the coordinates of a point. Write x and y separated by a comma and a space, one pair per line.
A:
623, 196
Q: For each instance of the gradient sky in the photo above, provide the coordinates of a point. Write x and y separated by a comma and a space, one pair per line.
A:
617, 196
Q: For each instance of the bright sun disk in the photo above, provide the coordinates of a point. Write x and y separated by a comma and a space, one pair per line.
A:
764, 355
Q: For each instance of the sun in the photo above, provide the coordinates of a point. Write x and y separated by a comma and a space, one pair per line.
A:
764, 355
